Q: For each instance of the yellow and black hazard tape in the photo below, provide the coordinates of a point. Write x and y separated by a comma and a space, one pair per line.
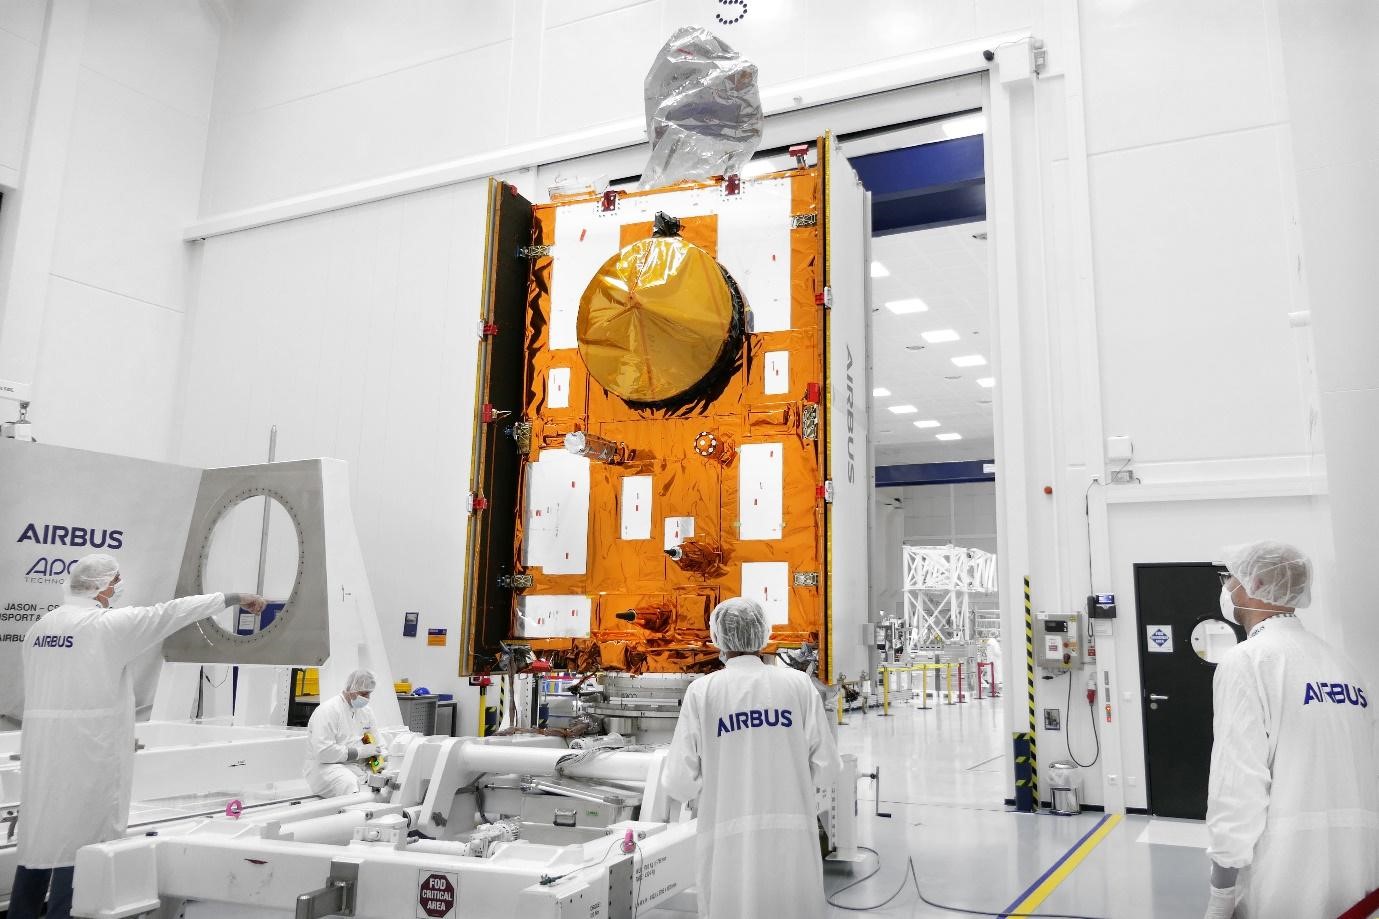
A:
1029, 686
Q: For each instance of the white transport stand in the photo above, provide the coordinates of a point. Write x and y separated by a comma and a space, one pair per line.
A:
182, 767
595, 837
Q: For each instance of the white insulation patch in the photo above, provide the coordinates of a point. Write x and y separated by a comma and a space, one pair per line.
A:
556, 518
761, 480
554, 616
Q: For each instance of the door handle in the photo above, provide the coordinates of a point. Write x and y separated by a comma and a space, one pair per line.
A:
1156, 698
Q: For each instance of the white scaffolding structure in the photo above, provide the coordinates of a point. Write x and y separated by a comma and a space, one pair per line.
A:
939, 584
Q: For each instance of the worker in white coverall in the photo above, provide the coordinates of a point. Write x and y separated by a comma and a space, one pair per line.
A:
77, 746
1293, 802
751, 745
335, 747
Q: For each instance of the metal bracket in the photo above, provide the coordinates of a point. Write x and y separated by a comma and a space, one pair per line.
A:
809, 422
1039, 57
517, 581
337, 898
534, 251
622, 901
806, 579
803, 220
521, 432
828, 491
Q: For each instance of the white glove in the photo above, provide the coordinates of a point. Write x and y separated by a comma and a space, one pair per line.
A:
1222, 903
362, 752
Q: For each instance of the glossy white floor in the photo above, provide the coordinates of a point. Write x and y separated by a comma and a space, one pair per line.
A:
943, 779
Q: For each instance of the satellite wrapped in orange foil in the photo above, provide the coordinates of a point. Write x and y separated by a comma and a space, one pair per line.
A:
686, 426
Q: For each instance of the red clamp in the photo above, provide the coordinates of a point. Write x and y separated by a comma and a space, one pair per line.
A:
485, 682
820, 298
490, 329
540, 665
820, 491
609, 202
799, 151
732, 185
487, 413
812, 393
478, 503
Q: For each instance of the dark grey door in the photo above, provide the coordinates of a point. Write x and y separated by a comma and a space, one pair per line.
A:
1173, 601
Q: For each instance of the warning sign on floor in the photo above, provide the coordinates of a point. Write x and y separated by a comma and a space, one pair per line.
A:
1160, 638
436, 894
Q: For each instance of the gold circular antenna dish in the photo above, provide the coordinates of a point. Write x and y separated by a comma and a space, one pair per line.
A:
657, 319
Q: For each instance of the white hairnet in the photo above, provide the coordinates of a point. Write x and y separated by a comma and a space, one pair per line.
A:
739, 624
91, 575
1272, 572
360, 681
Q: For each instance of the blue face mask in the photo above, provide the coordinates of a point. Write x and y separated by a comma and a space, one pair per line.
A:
358, 702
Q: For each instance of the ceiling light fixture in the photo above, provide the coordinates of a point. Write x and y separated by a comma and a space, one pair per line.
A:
927, 424
939, 336
878, 270
880, 392
951, 435
902, 409
907, 306
986, 382
969, 360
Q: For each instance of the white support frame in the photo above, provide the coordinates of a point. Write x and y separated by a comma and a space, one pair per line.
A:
938, 588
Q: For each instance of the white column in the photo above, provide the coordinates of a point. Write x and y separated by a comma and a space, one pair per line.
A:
1327, 53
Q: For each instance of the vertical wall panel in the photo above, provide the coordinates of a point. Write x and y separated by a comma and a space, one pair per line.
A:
354, 333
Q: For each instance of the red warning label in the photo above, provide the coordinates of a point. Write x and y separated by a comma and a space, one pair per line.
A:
436, 894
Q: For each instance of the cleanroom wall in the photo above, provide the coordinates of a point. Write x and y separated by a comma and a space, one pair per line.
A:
354, 332
104, 112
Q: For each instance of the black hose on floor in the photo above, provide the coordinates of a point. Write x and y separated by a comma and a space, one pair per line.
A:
912, 874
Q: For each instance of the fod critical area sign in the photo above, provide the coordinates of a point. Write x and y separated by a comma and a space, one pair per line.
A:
436, 893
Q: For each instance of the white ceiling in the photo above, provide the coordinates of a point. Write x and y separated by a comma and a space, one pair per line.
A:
946, 268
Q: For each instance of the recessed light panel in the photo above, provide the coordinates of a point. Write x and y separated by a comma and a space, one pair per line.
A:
907, 306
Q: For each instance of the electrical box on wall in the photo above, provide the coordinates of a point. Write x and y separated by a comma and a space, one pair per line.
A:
1101, 606
1058, 645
